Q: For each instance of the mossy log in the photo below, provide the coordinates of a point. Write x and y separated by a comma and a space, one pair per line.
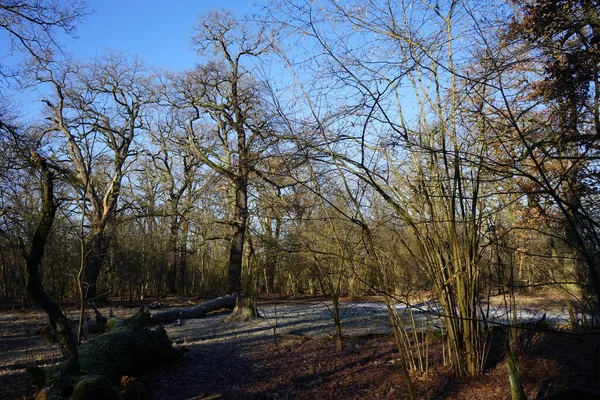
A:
195, 312
128, 348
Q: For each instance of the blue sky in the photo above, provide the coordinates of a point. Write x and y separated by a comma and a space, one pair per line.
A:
157, 30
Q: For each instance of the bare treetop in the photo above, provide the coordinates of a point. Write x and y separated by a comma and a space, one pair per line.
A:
220, 32
32, 25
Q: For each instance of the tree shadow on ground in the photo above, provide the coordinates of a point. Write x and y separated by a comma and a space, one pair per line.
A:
207, 369
558, 360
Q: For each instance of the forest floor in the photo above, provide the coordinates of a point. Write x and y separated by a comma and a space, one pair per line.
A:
290, 354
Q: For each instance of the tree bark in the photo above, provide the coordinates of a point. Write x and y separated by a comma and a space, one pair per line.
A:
238, 238
245, 310
514, 377
172, 249
183, 254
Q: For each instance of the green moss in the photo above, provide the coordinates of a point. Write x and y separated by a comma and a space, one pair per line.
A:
110, 324
94, 388
140, 320
126, 350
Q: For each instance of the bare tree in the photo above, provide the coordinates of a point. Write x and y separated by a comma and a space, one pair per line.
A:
226, 122
538, 97
26, 148
177, 169
32, 26
98, 110
566, 35
58, 320
395, 124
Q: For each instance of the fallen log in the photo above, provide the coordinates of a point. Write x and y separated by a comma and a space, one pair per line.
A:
128, 348
197, 311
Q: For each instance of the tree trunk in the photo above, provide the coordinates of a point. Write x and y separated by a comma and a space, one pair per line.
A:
271, 254
183, 254
514, 377
337, 321
58, 320
197, 311
96, 249
236, 251
172, 253
245, 310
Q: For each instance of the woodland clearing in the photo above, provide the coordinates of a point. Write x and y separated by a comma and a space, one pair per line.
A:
290, 353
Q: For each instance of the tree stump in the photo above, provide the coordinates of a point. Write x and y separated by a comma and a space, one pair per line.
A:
245, 310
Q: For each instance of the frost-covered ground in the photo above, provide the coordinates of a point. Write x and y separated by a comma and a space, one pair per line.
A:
314, 319
212, 342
